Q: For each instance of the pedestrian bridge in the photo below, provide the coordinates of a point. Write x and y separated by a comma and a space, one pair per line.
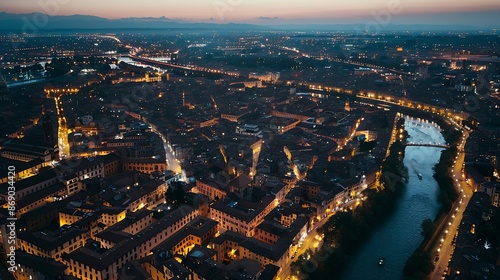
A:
437, 145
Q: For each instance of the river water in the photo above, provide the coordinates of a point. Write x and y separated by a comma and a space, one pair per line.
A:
398, 238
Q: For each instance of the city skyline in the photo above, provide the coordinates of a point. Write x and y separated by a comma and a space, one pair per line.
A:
356, 144
280, 12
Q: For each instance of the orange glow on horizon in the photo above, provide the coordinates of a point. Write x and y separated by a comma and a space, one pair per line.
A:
255, 11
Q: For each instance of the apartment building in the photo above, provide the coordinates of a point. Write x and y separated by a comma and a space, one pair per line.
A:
52, 244
241, 215
277, 250
86, 263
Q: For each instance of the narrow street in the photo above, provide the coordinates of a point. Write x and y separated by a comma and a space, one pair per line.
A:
62, 133
172, 163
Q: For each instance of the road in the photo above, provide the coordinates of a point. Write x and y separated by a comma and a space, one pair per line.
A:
184, 66
406, 105
172, 163
345, 61
62, 133
378, 67
445, 248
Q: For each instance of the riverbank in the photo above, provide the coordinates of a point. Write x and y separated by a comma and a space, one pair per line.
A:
346, 232
420, 264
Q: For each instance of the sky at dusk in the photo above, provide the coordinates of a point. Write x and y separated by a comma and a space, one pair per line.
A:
271, 12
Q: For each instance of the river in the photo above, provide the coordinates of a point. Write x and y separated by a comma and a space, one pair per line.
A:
398, 238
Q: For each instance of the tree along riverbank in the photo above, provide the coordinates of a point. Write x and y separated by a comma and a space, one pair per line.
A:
346, 232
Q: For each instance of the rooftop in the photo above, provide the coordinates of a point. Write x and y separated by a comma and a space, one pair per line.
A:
243, 209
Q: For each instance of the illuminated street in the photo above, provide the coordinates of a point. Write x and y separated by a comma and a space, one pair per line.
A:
445, 248
313, 240
172, 163
299, 140
62, 133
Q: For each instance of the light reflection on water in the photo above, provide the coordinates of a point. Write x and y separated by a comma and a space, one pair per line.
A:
400, 235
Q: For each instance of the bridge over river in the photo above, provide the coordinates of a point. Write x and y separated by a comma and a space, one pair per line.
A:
436, 145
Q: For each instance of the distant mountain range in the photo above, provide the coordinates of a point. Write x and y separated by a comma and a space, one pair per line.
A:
39, 21
30, 23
